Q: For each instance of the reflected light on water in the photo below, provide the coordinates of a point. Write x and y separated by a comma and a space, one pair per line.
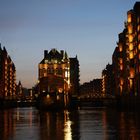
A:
17, 114
67, 126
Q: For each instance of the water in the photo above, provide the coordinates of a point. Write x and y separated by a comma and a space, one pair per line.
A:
84, 124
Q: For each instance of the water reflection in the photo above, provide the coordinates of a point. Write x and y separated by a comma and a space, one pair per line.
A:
84, 124
62, 125
67, 126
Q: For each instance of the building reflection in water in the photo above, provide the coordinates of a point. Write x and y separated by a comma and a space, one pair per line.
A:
122, 125
58, 125
18, 124
67, 126
29, 123
7, 125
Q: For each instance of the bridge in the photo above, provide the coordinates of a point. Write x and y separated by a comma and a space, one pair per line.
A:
96, 100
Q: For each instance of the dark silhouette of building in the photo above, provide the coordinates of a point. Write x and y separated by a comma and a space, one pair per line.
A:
19, 92
108, 81
74, 76
92, 89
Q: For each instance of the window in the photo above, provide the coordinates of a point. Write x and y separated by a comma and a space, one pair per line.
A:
129, 17
130, 29
59, 71
139, 46
120, 48
48, 70
121, 67
131, 55
132, 72
130, 46
130, 38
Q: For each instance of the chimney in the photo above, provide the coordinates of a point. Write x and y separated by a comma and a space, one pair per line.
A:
45, 53
62, 53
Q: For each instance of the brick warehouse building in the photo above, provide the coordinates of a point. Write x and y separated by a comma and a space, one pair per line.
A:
7, 76
58, 78
126, 56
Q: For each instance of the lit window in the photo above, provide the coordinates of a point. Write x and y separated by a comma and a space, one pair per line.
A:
139, 46
120, 48
48, 96
129, 18
121, 60
130, 29
66, 74
121, 88
130, 46
138, 27
132, 72
131, 83
60, 90
121, 81
131, 55
121, 67
130, 38
45, 75
58, 98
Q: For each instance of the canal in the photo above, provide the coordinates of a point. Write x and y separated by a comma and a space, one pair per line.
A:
83, 124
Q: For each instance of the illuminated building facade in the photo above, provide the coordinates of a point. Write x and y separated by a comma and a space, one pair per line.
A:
54, 72
58, 80
126, 57
7, 76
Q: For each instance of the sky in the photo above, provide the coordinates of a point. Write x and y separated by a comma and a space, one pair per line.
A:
86, 28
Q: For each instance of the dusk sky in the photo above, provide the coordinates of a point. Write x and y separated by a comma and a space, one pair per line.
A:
86, 28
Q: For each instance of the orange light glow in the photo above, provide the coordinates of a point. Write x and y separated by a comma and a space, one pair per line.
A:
130, 38
121, 67
138, 28
139, 46
130, 46
129, 18
121, 81
131, 83
132, 72
121, 61
131, 55
120, 48
130, 29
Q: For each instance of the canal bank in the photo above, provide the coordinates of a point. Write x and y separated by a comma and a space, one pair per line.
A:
4, 104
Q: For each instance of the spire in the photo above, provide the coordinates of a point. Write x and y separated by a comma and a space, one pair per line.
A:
4, 49
66, 55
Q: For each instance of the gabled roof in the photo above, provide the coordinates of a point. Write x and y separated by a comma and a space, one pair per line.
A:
54, 54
